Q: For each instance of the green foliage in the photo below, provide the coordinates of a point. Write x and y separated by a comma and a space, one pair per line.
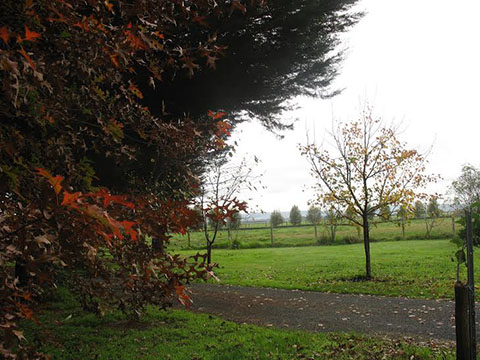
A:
351, 239
235, 221
462, 234
295, 216
467, 186
419, 209
433, 210
276, 218
385, 212
314, 215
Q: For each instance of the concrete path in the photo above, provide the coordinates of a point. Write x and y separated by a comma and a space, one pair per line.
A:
314, 311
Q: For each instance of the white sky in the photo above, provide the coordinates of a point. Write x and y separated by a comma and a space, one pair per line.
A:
415, 61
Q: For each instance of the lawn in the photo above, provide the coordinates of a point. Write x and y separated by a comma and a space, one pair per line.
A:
412, 268
304, 235
184, 335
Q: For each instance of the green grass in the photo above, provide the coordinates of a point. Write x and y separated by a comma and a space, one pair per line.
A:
185, 335
417, 268
304, 235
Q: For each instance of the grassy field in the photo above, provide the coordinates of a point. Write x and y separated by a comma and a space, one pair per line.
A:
305, 235
415, 268
188, 336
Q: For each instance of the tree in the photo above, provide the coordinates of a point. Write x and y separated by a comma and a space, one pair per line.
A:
93, 181
385, 212
431, 216
288, 50
467, 197
403, 218
433, 210
314, 215
467, 186
370, 169
295, 216
276, 218
332, 220
218, 197
419, 210
233, 224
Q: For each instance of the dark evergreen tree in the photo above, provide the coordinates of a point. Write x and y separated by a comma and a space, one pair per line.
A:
274, 53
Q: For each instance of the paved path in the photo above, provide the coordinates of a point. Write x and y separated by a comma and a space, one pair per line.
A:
314, 311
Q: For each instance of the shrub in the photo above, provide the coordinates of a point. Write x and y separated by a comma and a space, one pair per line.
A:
351, 240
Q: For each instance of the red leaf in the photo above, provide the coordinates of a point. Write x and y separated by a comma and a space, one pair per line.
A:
25, 55
55, 181
127, 227
44, 173
31, 35
182, 296
5, 34
219, 115
70, 199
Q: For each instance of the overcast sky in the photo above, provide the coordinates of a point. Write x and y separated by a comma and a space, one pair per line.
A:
417, 62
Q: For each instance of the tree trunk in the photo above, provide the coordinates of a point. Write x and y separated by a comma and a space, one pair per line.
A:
230, 238
366, 244
453, 226
188, 236
209, 253
316, 235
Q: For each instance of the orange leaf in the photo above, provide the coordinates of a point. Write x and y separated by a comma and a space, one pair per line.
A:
109, 5
182, 296
69, 198
4, 34
219, 115
44, 173
136, 91
115, 62
25, 55
31, 35
56, 183
50, 118
160, 35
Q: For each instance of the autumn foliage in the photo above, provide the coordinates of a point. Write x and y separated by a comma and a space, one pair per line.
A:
93, 183
367, 169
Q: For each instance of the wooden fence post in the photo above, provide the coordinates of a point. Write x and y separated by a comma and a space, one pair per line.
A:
271, 233
465, 305
471, 288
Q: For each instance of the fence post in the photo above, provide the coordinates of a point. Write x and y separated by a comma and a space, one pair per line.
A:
471, 288
465, 304
271, 232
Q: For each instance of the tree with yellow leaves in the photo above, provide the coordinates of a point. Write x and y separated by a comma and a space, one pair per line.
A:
369, 170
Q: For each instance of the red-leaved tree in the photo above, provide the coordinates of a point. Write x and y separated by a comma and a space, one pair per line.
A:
92, 183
